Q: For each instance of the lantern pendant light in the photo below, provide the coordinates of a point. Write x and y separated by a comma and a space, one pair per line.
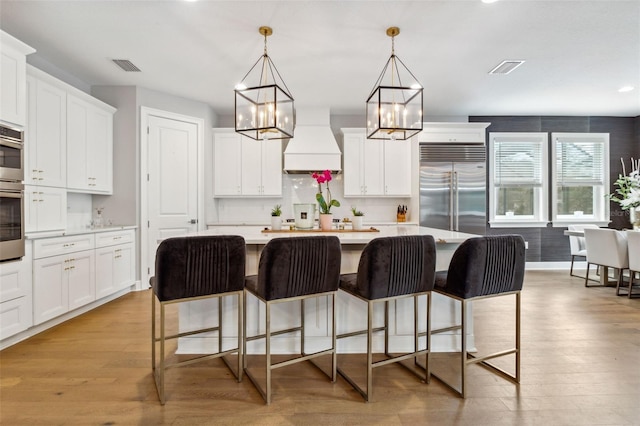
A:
394, 107
263, 103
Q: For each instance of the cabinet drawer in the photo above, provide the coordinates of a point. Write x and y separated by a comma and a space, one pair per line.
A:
15, 316
10, 284
61, 245
15, 277
105, 239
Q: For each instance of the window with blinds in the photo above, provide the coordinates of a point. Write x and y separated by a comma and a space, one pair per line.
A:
518, 163
518, 179
580, 177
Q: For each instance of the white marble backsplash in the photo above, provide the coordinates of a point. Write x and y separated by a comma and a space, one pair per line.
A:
78, 210
301, 188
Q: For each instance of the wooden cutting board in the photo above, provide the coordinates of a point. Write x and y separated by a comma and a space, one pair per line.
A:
298, 231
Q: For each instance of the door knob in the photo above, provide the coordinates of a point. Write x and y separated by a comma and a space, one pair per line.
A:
193, 221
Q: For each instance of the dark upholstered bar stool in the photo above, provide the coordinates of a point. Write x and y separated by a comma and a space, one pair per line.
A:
392, 268
481, 268
195, 268
294, 269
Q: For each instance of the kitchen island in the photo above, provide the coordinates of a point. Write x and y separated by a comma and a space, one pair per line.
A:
351, 314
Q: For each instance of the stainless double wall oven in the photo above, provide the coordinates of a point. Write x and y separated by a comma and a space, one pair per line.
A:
11, 193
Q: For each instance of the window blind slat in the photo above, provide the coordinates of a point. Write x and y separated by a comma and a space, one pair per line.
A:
517, 162
579, 163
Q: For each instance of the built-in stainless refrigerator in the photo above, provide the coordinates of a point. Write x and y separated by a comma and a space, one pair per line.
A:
453, 185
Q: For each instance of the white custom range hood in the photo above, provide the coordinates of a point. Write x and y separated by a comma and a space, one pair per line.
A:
313, 146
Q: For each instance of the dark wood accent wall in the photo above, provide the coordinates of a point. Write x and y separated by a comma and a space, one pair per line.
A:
549, 244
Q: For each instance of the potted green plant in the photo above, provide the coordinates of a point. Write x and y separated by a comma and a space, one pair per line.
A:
358, 216
276, 220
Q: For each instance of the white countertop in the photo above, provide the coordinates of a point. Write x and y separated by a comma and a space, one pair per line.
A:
77, 231
284, 223
254, 234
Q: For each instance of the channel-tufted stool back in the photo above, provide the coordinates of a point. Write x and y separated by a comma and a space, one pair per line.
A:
291, 267
199, 266
483, 266
394, 266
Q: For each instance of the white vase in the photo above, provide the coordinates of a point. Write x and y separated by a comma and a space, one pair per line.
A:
276, 223
357, 222
326, 221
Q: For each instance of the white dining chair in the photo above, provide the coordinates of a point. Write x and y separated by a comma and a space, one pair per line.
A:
633, 242
577, 244
606, 248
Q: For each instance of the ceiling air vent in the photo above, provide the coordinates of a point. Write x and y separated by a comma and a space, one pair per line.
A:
505, 67
126, 65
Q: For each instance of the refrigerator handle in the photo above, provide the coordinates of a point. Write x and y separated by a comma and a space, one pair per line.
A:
451, 193
456, 214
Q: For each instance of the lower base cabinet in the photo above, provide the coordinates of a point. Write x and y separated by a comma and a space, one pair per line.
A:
115, 269
70, 272
62, 282
16, 303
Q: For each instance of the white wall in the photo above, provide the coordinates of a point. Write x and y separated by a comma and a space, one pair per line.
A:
123, 207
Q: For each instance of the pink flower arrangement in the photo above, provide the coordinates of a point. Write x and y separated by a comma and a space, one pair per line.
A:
325, 203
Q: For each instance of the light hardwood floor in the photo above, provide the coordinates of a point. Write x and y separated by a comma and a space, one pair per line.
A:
580, 365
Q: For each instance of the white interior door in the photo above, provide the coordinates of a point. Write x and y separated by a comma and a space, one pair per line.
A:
172, 184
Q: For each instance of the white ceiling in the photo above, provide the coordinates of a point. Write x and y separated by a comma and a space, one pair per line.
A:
330, 53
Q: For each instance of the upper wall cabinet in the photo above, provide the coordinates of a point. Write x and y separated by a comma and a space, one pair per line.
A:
453, 132
13, 74
375, 168
45, 208
69, 138
245, 167
89, 147
46, 135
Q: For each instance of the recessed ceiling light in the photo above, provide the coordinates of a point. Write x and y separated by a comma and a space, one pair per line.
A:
624, 89
489, 1
505, 67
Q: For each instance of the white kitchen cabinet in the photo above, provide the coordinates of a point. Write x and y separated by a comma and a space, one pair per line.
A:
246, 167
45, 208
46, 135
261, 167
82, 278
397, 168
50, 288
375, 168
89, 146
453, 132
13, 63
227, 164
16, 295
115, 262
63, 275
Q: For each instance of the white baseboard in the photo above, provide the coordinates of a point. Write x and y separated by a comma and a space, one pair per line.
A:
555, 266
